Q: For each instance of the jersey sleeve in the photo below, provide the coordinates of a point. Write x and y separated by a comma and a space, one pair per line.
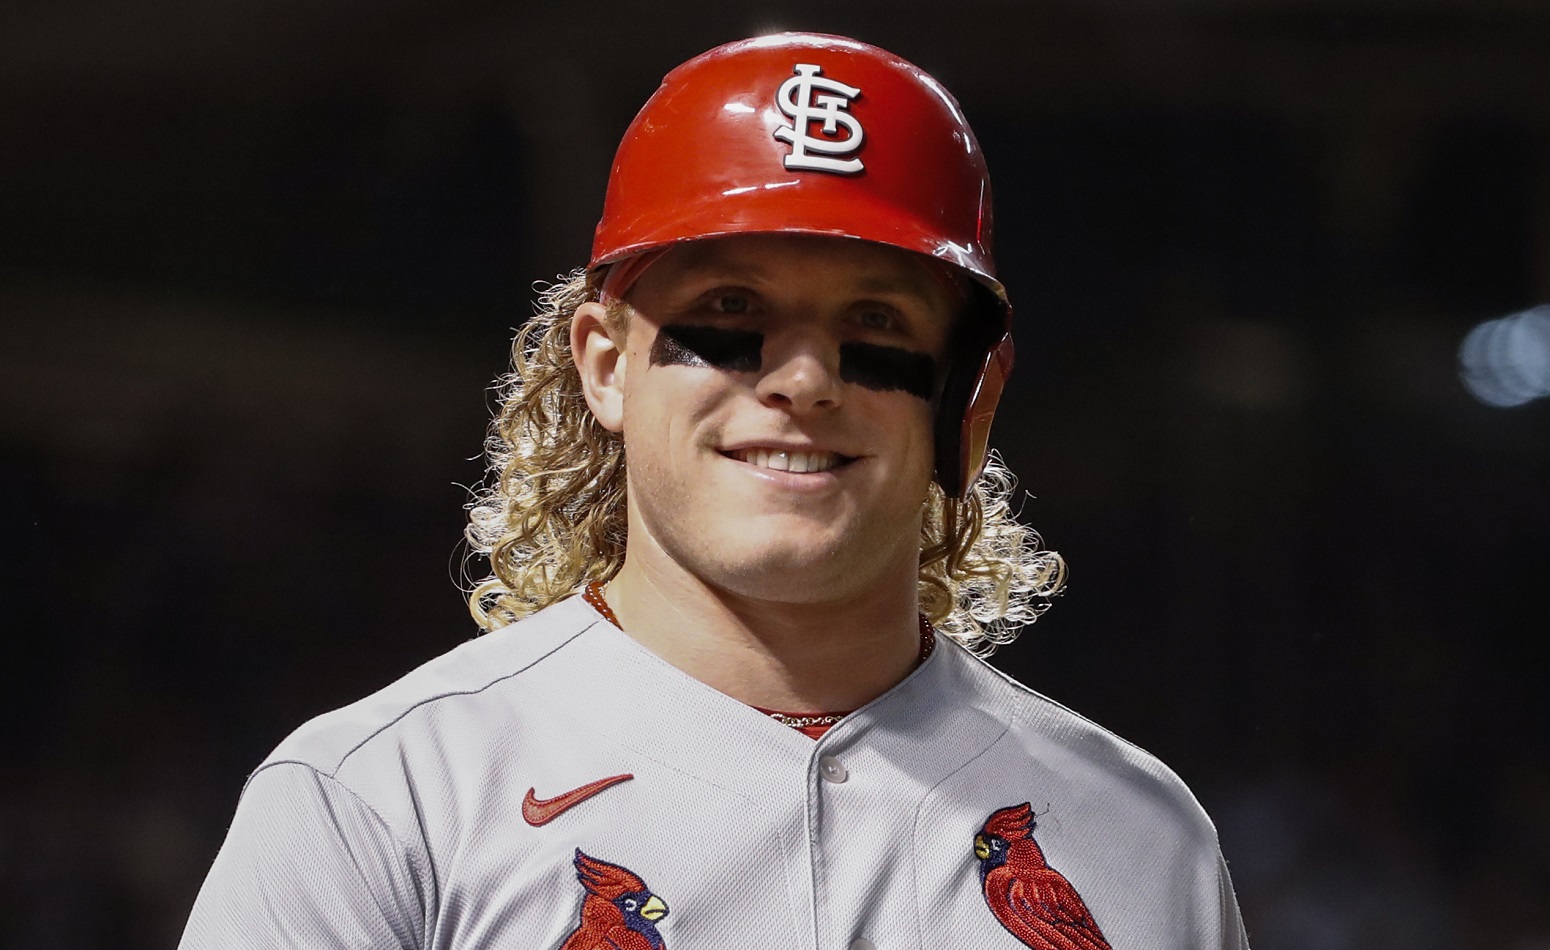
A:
1234, 936
306, 863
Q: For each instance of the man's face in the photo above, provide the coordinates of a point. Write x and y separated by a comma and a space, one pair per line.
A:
778, 396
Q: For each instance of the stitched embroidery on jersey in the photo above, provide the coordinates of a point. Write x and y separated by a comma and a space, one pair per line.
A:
537, 811
1032, 900
618, 910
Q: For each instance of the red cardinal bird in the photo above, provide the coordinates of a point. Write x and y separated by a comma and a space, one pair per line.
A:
619, 912
1031, 899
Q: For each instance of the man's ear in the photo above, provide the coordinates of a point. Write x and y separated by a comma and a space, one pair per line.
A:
600, 359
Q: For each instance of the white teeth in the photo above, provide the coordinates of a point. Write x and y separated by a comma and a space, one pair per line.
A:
780, 460
812, 461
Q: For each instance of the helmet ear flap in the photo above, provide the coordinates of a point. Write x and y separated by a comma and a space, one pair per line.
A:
981, 359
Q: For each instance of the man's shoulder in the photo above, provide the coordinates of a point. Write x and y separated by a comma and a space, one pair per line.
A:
1047, 735
455, 685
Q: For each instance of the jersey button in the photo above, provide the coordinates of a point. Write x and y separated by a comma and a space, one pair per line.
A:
832, 771
862, 943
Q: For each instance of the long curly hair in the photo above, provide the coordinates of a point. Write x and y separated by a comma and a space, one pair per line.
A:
551, 515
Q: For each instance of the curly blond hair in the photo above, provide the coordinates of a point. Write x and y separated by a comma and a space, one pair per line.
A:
551, 516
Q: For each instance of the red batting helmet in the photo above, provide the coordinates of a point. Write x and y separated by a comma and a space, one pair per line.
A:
802, 133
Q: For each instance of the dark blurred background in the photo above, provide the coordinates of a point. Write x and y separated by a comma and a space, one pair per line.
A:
260, 261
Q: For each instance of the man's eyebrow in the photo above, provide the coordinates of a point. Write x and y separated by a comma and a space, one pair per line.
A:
730, 271
910, 283
865, 285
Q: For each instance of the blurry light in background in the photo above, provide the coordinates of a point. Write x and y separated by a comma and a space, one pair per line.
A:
1249, 365
1506, 362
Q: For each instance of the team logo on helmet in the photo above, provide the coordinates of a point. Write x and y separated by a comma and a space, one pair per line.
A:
831, 109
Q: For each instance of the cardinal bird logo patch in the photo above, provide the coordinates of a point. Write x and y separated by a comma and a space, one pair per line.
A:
618, 911
1032, 900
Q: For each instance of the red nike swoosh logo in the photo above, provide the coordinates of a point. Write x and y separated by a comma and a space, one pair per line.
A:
537, 811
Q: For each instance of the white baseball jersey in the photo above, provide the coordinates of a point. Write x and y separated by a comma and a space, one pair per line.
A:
555, 783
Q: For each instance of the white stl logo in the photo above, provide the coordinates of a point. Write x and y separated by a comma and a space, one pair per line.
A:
796, 100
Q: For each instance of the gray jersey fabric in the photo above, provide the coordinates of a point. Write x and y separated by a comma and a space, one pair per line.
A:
398, 821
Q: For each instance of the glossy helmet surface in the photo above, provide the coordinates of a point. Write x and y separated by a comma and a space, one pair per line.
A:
801, 133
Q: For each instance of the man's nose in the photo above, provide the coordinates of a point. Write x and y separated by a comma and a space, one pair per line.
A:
800, 374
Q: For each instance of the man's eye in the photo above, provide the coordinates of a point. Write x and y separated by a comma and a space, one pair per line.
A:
732, 303
877, 320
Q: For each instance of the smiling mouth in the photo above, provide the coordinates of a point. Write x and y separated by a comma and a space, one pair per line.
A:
782, 460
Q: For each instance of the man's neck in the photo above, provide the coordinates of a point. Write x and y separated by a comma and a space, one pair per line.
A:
795, 657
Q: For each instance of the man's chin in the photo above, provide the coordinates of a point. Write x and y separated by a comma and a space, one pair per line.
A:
787, 573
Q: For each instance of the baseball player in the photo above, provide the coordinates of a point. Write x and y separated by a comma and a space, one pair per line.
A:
745, 539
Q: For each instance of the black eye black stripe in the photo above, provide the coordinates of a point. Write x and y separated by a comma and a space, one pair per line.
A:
734, 351
888, 368
879, 368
